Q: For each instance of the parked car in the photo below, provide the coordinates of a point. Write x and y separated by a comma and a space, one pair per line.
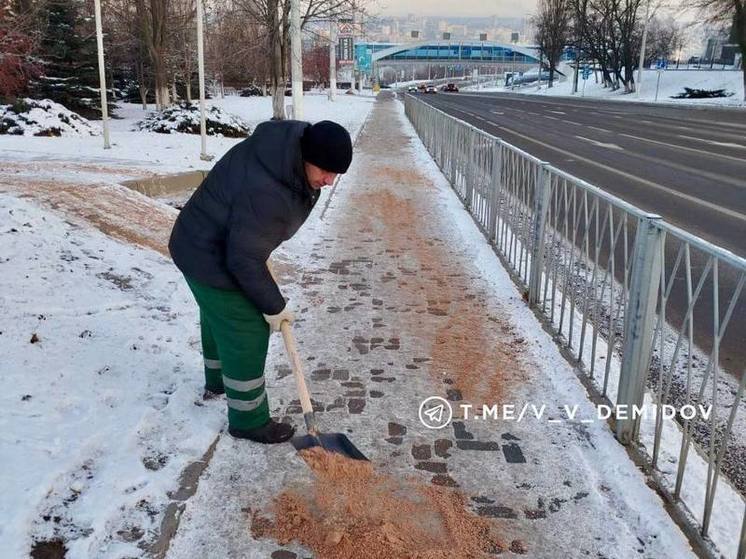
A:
451, 88
421, 87
411, 89
431, 89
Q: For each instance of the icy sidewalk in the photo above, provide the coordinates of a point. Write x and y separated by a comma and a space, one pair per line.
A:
400, 298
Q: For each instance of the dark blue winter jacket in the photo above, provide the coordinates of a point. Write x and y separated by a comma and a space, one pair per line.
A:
253, 199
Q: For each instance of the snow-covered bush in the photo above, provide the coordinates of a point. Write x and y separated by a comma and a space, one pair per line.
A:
32, 117
185, 118
693, 93
252, 90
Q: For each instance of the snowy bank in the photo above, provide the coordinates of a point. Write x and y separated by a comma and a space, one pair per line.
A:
672, 82
31, 117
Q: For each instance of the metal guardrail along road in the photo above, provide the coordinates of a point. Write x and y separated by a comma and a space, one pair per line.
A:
626, 293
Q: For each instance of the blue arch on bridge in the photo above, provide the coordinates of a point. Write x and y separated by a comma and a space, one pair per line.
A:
447, 52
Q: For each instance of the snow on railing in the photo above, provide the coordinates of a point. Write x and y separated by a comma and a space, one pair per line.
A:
641, 305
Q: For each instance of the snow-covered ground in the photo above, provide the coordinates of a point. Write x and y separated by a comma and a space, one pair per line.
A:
100, 387
100, 382
167, 153
672, 82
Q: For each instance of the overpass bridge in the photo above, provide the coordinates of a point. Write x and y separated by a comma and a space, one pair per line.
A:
389, 62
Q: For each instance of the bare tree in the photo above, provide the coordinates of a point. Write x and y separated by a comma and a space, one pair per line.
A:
182, 43
316, 63
274, 17
552, 31
19, 39
664, 39
152, 18
610, 34
731, 12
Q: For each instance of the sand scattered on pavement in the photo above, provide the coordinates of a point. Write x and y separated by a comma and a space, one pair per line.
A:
351, 510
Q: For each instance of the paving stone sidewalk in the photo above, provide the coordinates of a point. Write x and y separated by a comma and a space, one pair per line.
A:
400, 298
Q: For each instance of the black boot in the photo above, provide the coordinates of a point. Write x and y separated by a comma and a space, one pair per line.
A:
271, 432
212, 393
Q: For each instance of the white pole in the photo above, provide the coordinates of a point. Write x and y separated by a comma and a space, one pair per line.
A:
296, 60
658, 84
642, 49
201, 64
332, 61
102, 74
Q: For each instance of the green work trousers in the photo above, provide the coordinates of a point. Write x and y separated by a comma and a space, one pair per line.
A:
235, 338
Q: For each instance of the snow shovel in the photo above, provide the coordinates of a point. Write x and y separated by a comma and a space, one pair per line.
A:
331, 442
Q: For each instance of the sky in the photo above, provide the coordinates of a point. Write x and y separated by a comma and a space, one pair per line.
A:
503, 8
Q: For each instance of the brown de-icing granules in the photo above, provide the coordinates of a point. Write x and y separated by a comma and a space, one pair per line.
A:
351, 510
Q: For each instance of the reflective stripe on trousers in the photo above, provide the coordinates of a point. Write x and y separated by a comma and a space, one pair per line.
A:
246, 405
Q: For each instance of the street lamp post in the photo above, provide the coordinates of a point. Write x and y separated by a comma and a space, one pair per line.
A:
201, 67
102, 74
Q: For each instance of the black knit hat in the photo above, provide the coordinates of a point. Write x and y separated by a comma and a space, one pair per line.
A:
326, 144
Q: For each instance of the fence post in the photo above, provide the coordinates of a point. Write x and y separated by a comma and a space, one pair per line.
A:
496, 187
542, 197
639, 321
470, 173
741, 554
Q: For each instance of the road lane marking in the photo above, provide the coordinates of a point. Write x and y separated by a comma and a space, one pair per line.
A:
599, 129
601, 144
551, 117
692, 199
558, 112
497, 113
685, 148
571, 122
713, 142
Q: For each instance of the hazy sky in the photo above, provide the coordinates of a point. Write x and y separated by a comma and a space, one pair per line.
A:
504, 8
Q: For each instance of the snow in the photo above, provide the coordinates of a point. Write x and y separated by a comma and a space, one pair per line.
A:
171, 153
106, 408
672, 82
102, 413
45, 118
186, 118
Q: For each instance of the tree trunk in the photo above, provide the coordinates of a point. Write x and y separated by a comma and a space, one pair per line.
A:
277, 77
141, 85
189, 90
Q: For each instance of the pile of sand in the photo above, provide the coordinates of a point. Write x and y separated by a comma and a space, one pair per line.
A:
352, 511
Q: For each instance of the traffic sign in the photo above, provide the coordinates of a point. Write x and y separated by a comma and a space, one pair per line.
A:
661, 64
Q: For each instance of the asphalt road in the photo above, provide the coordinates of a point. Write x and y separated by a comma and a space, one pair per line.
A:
686, 164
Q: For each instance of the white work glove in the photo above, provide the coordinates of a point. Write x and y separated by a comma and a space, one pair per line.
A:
275, 320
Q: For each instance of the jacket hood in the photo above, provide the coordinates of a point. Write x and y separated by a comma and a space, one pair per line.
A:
277, 148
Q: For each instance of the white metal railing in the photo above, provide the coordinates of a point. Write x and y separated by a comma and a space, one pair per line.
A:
640, 304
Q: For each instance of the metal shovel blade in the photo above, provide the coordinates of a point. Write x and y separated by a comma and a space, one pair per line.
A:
331, 442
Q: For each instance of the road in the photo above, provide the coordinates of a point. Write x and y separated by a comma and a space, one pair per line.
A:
688, 165
685, 164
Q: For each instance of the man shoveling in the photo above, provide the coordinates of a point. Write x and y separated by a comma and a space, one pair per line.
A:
257, 196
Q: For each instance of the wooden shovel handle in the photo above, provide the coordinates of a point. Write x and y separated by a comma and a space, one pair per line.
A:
305, 399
